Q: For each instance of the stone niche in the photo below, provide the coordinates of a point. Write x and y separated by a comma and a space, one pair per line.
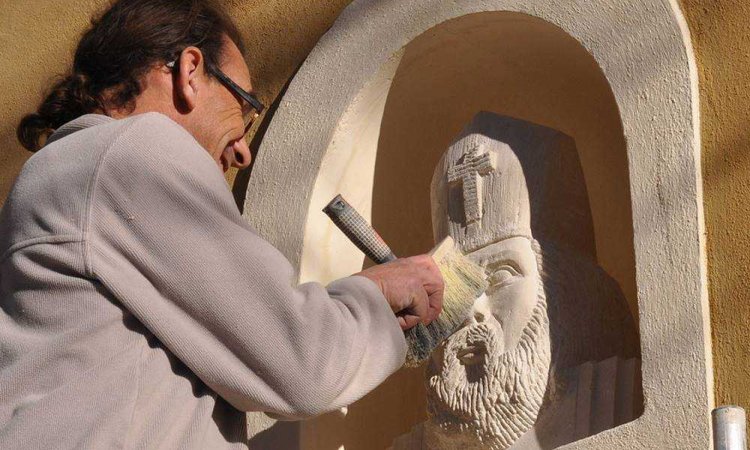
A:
389, 89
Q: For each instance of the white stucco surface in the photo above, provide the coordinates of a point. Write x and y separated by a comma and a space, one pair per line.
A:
643, 49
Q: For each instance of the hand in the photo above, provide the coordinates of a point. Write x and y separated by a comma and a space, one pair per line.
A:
412, 286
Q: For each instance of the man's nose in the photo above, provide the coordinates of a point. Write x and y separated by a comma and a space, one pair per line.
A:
480, 311
241, 154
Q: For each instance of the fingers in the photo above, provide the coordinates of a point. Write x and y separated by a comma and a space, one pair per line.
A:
407, 321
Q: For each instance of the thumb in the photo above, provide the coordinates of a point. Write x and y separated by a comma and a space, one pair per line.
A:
407, 321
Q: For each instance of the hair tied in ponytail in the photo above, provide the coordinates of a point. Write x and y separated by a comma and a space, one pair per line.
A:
67, 100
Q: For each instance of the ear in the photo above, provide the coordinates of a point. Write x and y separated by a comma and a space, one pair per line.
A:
191, 77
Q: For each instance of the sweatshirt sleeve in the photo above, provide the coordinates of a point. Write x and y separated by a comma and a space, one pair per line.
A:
164, 235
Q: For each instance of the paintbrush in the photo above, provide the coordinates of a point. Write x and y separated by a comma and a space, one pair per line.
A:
464, 280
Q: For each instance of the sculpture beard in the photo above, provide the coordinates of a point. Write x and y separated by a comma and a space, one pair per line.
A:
491, 403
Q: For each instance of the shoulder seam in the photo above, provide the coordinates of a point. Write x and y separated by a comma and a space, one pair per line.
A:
90, 196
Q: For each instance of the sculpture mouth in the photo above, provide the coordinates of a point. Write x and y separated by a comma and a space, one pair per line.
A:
473, 353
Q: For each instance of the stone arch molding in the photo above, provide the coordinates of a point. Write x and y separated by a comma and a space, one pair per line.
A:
643, 49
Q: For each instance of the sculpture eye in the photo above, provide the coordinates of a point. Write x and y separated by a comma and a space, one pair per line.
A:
501, 275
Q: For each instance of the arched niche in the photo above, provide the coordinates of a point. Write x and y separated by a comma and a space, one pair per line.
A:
361, 97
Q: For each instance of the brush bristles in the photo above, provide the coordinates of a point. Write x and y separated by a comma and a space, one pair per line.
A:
464, 282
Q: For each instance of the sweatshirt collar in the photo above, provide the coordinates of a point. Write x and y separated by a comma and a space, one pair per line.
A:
77, 124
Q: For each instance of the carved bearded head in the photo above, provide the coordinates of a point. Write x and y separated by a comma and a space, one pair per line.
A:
502, 185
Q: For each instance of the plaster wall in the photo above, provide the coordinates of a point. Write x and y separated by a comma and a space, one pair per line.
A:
37, 40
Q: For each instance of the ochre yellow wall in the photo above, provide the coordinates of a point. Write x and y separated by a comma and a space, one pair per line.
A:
720, 32
37, 41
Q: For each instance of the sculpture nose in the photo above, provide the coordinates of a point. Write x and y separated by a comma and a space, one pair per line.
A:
480, 311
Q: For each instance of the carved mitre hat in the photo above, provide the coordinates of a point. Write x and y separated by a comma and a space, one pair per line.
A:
505, 177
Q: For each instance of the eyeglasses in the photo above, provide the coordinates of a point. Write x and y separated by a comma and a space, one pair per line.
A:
248, 97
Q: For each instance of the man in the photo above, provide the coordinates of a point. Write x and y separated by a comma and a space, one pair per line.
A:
138, 308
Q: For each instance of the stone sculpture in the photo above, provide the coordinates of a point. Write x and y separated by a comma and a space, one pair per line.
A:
551, 355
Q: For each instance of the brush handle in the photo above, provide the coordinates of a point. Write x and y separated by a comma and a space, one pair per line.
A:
356, 228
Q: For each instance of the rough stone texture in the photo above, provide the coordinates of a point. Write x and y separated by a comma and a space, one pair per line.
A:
653, 79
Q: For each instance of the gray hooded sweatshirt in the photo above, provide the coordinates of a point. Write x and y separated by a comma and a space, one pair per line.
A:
139, 309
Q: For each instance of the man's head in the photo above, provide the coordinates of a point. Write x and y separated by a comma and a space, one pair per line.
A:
156, 55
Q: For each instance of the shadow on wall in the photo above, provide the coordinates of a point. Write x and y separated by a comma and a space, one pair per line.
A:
510, 64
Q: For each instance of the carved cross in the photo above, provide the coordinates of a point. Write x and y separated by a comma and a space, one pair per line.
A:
469, 171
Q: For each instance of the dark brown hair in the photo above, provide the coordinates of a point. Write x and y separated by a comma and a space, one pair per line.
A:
120, 47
